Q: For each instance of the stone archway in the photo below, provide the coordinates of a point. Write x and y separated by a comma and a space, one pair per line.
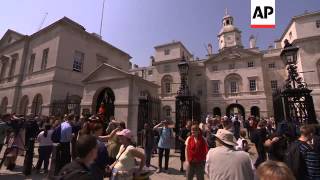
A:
4, 105
235, 109
255, 111
216, 111
106, 98
23, 108
36, 107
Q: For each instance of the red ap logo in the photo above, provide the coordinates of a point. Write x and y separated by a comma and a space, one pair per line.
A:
263, 14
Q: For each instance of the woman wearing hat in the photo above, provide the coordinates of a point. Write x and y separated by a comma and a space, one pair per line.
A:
224, 161
124, 166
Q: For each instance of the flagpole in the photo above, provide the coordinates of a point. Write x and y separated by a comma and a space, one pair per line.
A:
102, 17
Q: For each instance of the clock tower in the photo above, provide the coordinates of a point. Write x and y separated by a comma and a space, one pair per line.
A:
229, 36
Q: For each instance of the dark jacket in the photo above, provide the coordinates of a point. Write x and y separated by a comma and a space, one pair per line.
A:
75, 171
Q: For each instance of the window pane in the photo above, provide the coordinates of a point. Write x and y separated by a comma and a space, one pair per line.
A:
78, 61
233, 86
168, 87
44, 59
274, 85
215, 87
31, 63
253, 86
272, 65
250, 64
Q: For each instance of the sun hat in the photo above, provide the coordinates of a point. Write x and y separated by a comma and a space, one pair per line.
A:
226, 137
126, 133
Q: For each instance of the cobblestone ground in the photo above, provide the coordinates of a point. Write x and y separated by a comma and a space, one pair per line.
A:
172, 174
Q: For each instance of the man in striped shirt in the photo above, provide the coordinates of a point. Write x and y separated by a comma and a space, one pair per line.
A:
309, 155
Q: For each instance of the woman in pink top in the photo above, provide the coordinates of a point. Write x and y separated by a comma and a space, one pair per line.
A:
45, 147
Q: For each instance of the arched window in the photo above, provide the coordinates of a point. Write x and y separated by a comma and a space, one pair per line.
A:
167, 112
36, 107
4, 104
233, 84
24, 105
255, 111
166, 85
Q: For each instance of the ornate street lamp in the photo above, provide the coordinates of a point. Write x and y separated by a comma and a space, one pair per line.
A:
293, 103
289, 53
289, 57
184, 71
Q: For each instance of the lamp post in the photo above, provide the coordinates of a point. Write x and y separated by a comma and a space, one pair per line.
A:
289, 57
184, 71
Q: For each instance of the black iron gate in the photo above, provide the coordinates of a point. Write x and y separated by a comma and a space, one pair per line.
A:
187, 108
67, 106
294, 105
148, 112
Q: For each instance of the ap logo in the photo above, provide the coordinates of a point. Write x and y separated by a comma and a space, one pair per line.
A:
263, 14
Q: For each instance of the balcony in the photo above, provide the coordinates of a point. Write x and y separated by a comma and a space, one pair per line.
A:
237, 94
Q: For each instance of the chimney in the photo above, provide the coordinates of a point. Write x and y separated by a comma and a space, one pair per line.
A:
252, 42
210, 49
96, 35
152, 60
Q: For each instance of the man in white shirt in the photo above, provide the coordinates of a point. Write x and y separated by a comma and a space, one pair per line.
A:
224, 162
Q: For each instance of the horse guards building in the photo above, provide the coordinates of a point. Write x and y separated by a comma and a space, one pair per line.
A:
63, 68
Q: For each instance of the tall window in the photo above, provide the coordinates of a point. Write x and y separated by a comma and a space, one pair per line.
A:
168, 87
215, 87
78, 61
3, 70
166, 68
233, 87
252, 85
150, 72
274, 85
250, 64
214, 68
231, 66
272, 65
318, 23
12, 67
31, 63
44, 59
166, 51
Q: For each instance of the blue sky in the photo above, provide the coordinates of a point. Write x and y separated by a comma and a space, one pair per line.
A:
136, 26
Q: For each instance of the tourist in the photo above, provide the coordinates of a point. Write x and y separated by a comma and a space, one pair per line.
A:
148, 142
212, 128
196, 151
76, 126
224, 161
236, 126
258, 137
164, 144
227, 124
3, 130
85, 130
124, 166
242, 142
274, 170
65, 139
113, 145
101, 162
302, 158
79, 168
184, 133
15, 142
45, 148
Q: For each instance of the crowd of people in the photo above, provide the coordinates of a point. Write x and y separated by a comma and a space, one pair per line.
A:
218, 147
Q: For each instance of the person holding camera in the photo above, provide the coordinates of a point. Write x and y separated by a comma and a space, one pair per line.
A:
166, 134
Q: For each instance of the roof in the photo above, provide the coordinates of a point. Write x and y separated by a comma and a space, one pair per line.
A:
294, 18
75, 25
119, 70
172, 43
11, 31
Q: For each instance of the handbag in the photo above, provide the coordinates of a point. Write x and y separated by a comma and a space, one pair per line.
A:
109, 171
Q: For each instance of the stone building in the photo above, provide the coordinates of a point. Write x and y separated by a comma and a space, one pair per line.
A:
62, 67
237, 79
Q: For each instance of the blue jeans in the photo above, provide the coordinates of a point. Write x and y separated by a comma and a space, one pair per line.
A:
44, 156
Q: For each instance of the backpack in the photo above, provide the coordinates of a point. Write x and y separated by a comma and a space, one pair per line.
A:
294, 160
56, 134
